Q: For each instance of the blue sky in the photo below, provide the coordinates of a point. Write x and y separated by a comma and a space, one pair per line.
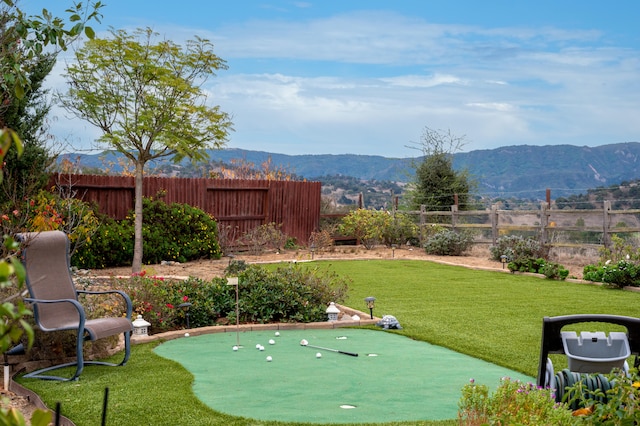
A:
366, 77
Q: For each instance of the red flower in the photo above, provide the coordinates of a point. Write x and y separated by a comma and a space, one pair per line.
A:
169, 305
185, 298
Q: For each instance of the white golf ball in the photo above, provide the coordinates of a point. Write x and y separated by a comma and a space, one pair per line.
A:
269, 359
277, 333
258, 346
262, 348
318, 355
186, 334
235, 348
272, 342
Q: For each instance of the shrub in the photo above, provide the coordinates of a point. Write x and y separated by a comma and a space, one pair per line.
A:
513, 403
615, 275
287, 294
366, 225
448, 243
517, 248
619, 266
619, 250
268, 235
373, 227
176, 232
321, 240
399, 229
550, 270
615, 406
554, 271
111, 245
157, 300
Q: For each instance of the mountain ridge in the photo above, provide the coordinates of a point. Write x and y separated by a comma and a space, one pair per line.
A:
519, 170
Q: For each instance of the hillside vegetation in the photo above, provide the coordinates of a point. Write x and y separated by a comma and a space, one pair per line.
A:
522, 172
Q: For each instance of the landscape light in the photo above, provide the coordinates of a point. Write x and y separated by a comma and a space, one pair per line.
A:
370, 304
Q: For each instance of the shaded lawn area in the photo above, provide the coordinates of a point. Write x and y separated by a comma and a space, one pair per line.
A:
490, 315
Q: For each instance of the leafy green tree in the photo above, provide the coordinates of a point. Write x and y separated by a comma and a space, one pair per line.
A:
436, 182
21, 39
147, 100
23, 176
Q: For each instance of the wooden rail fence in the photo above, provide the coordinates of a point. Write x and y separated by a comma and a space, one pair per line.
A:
557, 228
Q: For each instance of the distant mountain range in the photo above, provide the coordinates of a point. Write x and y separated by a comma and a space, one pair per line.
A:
521, 171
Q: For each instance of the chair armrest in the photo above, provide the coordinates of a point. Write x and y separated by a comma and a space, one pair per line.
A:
81, 315
124, 295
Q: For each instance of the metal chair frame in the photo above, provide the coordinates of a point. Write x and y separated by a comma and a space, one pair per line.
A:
54, 298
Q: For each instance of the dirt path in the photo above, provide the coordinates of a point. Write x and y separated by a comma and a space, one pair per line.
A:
207, 269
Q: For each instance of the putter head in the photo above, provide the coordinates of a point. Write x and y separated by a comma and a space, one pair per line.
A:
303, 342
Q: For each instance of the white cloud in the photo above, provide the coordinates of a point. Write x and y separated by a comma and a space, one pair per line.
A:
368, 82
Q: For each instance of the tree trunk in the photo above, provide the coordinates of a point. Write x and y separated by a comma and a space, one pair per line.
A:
137, 241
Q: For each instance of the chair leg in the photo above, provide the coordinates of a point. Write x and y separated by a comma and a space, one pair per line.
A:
80, 362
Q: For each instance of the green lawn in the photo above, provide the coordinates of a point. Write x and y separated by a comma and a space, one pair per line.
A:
491, 315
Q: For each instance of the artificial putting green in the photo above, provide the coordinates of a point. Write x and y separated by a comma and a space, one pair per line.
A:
393, 378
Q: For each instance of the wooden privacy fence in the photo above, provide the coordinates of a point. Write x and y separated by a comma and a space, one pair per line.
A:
237, 205
559, 228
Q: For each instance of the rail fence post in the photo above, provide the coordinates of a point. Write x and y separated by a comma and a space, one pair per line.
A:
606, 219
494, 224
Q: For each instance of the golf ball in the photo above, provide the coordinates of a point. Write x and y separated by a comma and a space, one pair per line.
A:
261, 348
186, 334
272, 342
235, 348
318, 355
277, 333
269, 359
258, 346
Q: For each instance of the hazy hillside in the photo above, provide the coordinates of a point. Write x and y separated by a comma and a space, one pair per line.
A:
512, 171
566, 169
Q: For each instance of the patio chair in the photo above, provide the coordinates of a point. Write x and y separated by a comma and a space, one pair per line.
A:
54, 299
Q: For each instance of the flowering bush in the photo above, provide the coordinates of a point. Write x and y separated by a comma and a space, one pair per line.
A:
513, 403
620, 406
617, 275
619, 265
287, 294
174, 232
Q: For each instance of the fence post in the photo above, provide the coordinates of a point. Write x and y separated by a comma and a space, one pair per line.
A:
606, 236
494, 223
454, 216
423, 221
544, 223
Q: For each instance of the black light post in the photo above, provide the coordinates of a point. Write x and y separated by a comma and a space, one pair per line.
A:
370, 304
185, 306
